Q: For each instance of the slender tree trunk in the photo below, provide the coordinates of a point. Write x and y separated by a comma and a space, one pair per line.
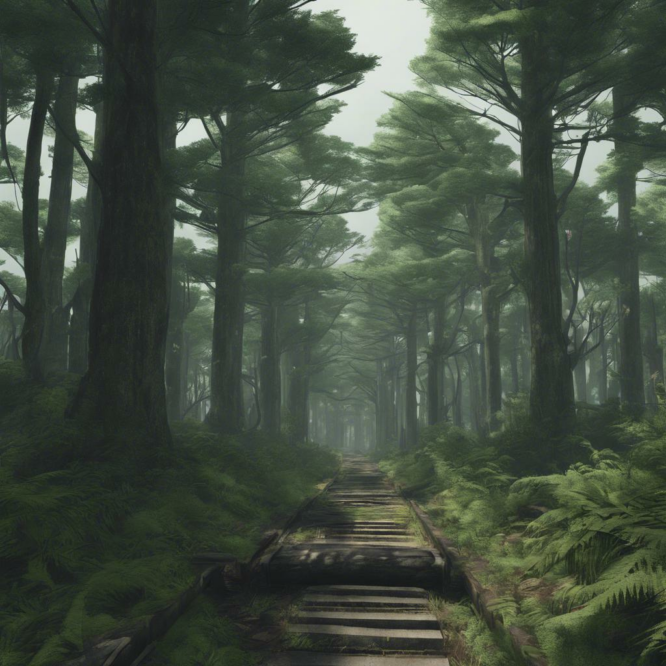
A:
175, 350
299, 389
33, 326
411, 404
551, 395
478, 222
474, 390
434, 366
53, 349
124, 387
525, 356
456, 381
491, 337
631, 355
654, 354
226, 413
270, 370
515, 375
87, 260
614, 382
484, 385
580, 375
12, 352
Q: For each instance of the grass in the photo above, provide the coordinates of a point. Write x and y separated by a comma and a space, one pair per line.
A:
91, 544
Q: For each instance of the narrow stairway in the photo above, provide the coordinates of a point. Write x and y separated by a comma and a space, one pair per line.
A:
368, 569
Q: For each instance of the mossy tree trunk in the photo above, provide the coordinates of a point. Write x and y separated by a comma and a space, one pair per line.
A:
271, 394
552, 394
53, 348
34, 308
631, 355
226, 411
124, 386
90, 225
411, 404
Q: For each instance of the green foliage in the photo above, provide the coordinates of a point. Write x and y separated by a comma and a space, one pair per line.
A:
88, 544
202, 636
588, 575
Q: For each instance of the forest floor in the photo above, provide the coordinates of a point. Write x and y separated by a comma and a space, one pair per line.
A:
89, 544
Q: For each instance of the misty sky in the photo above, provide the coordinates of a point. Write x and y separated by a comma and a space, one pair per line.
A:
394, 30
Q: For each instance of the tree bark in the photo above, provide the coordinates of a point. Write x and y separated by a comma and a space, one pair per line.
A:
54, 340
411, 404
552, 395
33, 326
580, 375
124, 386
631, 355
525, 356
477, 217
475, 405
299, 386
270, 370
226, 412
435, 366
654, 354
175, 350
90, 225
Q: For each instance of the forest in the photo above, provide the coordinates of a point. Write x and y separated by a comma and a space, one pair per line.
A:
196, 329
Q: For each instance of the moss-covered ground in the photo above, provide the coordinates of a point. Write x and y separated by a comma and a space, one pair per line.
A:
92, 541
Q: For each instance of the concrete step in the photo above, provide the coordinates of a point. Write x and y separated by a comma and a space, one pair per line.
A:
363, 542
332, 659
354, 529
423, 640
369, 590
370, 619
365, 601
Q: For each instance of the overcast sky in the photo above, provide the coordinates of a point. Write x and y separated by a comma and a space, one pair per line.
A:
394, 30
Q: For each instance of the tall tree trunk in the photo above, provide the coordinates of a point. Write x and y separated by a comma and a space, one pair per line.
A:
476, 411
552, 394
33, 326
87, 260
477, 214
435, 365
124, 387
514, 354
226, 412
654, 354
631, 354
270, 370
456, 380
411, 404
12, 351
614, 382
580, 375
299, 385
175, 373
525, 356
54, 340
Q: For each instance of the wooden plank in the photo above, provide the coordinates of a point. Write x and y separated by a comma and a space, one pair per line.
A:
372, 590
331, 659
365, 599
372, 619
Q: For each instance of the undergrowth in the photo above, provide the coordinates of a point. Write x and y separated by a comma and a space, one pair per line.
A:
573, 543
90, 543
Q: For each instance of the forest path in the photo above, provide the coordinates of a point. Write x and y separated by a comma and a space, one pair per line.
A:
368, 568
